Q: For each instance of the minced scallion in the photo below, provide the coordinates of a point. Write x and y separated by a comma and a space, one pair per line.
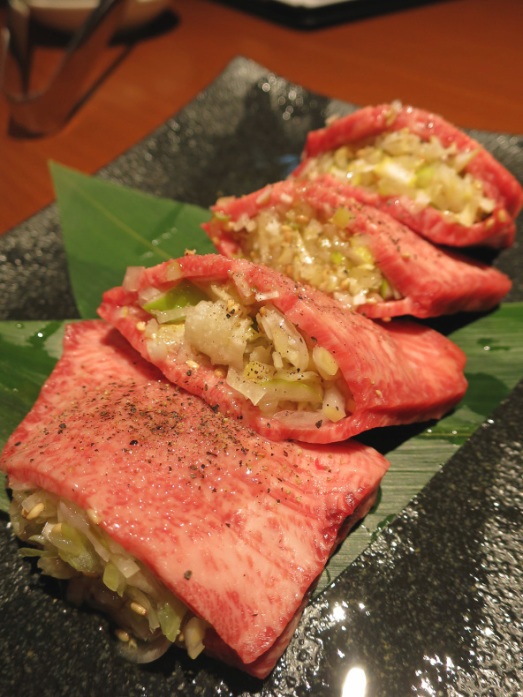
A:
316, 247
262, 353
68, 543
400, 163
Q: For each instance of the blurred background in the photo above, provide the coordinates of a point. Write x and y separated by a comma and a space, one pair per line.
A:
459, 58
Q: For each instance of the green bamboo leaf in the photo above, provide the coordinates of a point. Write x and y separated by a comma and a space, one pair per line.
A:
107, 227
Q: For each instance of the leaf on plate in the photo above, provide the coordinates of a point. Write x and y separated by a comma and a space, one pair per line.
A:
494, 348
107, 227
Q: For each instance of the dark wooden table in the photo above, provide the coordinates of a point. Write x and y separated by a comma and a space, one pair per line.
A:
461, 58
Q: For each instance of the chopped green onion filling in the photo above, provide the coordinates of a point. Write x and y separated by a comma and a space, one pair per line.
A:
317, 247
72, 546
261, 353
172, 305
399, 163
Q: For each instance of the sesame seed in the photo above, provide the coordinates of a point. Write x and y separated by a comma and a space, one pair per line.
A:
35, 511
122, 635
139, 609
93, 516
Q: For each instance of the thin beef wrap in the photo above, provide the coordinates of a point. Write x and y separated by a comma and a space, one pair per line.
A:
316, 233
287, 359
420, 169
182, 524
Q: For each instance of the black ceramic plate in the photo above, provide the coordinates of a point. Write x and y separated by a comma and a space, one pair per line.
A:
434, 606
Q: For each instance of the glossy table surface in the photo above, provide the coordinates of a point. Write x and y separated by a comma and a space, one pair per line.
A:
459, 58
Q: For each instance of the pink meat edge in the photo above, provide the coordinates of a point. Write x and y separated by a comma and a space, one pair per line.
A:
433, 281
150, 372
301, 312
264, 664
497, 231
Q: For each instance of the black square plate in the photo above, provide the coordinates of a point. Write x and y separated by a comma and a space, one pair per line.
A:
429, 606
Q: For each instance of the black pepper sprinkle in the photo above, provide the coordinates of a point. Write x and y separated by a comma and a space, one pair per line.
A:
187, 575
133, 442
318, 424
215, 408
